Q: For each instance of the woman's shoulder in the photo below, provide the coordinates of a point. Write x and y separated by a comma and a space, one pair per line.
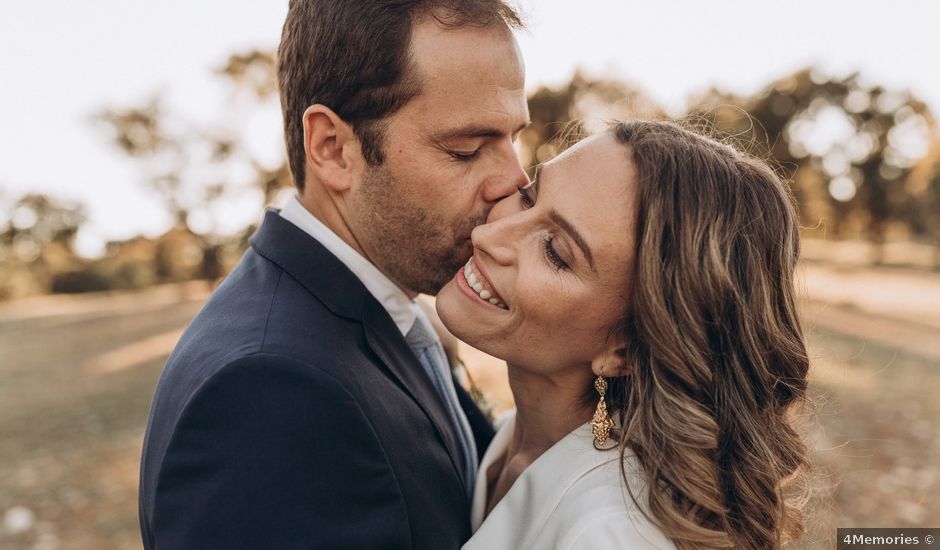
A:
613, 529
598, 509
572, 497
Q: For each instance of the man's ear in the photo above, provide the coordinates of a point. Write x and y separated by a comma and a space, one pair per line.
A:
331, 147
611, 363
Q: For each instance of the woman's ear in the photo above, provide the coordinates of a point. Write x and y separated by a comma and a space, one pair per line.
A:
612, 362
333, 154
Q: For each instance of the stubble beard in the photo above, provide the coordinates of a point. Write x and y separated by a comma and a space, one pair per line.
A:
413, 246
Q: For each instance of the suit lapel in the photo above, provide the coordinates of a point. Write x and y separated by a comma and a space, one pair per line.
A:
311, 265
387, 342
337, 288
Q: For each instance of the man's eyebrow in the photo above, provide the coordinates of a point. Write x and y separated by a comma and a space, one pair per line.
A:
523, 126
566, 226
476, 131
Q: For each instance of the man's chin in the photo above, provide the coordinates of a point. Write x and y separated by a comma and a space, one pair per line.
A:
433, 285
436, 273
462, 252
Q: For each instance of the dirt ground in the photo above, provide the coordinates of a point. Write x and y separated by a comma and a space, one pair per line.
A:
77, 374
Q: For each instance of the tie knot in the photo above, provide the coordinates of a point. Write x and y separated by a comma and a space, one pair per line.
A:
421, 335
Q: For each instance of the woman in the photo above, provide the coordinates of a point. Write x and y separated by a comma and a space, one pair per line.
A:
641, 291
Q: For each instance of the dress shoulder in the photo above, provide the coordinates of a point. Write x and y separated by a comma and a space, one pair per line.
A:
572, 497
597, 511
615, 529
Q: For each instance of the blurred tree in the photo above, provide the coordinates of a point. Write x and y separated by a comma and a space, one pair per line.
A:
37, 242
193, 169
182, 167
846, 145
584, 105
254, 74
923, 188
43, 229
254, 71
141, 133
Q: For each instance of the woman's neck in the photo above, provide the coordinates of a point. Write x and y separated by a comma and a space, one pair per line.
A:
547, 409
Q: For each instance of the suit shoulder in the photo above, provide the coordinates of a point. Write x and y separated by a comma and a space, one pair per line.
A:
242, 395
273, 376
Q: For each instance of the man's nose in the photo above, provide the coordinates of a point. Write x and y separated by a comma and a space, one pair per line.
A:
508, 177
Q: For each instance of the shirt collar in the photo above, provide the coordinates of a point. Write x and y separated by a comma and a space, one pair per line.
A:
393, 299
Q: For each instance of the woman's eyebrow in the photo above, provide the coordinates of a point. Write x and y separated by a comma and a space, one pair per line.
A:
566, 226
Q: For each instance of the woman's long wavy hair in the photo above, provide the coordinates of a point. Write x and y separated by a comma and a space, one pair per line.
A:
715, 344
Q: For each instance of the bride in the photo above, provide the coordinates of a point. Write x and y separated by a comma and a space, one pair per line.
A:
641, 291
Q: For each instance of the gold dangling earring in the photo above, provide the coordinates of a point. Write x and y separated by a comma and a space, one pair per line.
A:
601, 423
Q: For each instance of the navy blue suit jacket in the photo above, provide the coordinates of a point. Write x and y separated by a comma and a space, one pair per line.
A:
293, 414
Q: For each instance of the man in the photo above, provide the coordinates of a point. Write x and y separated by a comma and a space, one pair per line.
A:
308, 405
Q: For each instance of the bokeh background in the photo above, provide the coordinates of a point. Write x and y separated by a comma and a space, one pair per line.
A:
139, 143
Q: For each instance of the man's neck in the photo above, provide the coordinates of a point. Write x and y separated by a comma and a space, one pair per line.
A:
323, 209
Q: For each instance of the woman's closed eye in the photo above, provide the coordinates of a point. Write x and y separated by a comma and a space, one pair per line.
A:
527, 200
552, 255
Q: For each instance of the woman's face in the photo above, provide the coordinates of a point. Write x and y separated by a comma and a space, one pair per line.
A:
552, 266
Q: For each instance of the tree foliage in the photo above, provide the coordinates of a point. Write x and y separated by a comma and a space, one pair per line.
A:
190, 166
39, 223
847, 146
562, 115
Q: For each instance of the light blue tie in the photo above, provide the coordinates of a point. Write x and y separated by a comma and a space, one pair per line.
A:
427, 347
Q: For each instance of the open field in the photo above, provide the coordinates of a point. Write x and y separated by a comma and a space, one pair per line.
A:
77, 374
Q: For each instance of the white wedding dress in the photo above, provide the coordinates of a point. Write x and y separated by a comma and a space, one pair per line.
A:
572, 497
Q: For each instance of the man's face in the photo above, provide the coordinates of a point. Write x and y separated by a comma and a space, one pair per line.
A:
449, 156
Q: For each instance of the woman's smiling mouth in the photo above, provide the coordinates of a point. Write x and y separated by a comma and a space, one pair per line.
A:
480, 285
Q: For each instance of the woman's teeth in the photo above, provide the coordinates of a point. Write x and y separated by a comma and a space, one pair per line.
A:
477, 285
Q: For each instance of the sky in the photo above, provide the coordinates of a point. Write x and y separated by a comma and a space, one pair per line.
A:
63, 61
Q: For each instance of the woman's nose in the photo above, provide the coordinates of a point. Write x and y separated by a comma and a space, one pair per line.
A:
498, 236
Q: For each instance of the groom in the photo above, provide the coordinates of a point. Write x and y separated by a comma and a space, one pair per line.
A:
309, 404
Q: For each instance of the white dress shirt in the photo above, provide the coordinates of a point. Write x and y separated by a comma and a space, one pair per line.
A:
572, 497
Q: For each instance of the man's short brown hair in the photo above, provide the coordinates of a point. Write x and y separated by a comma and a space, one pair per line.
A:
353, 57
